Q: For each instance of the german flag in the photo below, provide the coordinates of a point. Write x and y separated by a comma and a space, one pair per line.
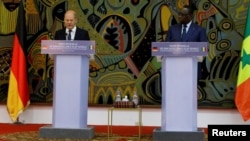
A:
18, 92
242, 98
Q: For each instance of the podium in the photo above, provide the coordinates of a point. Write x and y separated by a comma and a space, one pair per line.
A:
179, 90
70, 96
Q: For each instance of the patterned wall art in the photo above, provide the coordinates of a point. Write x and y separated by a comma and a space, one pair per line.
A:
123, 31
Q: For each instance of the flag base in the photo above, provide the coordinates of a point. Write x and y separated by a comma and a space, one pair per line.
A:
17, 122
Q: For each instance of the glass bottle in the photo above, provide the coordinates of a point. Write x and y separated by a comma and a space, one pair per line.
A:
135, 98
118, 96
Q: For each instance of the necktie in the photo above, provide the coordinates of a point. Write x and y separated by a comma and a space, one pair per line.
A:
69, 35
184, 32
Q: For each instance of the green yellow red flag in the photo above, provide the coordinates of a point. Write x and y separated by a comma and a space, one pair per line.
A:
242, 97
18, 92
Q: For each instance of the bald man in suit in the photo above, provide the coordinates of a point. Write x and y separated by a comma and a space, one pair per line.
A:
194, 32
71, 30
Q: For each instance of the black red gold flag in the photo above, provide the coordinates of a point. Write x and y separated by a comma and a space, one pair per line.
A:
18, 92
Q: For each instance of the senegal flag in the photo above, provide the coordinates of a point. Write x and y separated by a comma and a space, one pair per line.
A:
242, 98
18, 93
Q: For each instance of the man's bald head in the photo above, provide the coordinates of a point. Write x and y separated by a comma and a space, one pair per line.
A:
70, 19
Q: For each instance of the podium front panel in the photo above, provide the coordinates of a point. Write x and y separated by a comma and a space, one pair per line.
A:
179, 94
179, 83
70, 99
71, 77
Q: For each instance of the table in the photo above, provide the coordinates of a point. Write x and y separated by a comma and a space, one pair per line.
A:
110, 118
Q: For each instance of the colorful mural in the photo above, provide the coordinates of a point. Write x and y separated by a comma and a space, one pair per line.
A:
123, 31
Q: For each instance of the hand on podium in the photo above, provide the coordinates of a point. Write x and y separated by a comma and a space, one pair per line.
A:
200, 58
51, 56
159, 58
91, 57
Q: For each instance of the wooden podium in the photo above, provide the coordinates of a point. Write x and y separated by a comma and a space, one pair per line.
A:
71, 81
179, 90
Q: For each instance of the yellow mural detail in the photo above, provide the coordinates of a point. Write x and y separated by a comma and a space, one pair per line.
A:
7, 27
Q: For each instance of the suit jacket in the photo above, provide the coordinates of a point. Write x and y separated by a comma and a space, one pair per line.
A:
80, 34
195, 34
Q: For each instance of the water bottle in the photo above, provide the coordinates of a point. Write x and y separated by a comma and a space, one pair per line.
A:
118, 96
135, 98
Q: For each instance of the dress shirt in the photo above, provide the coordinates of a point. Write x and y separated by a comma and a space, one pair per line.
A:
73, 32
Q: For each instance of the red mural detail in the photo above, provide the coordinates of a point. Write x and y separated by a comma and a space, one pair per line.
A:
201, 15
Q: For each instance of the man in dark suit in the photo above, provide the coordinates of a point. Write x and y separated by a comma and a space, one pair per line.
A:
194, 32
71, 31
187, 31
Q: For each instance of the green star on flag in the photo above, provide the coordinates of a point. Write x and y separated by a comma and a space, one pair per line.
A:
242, 96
